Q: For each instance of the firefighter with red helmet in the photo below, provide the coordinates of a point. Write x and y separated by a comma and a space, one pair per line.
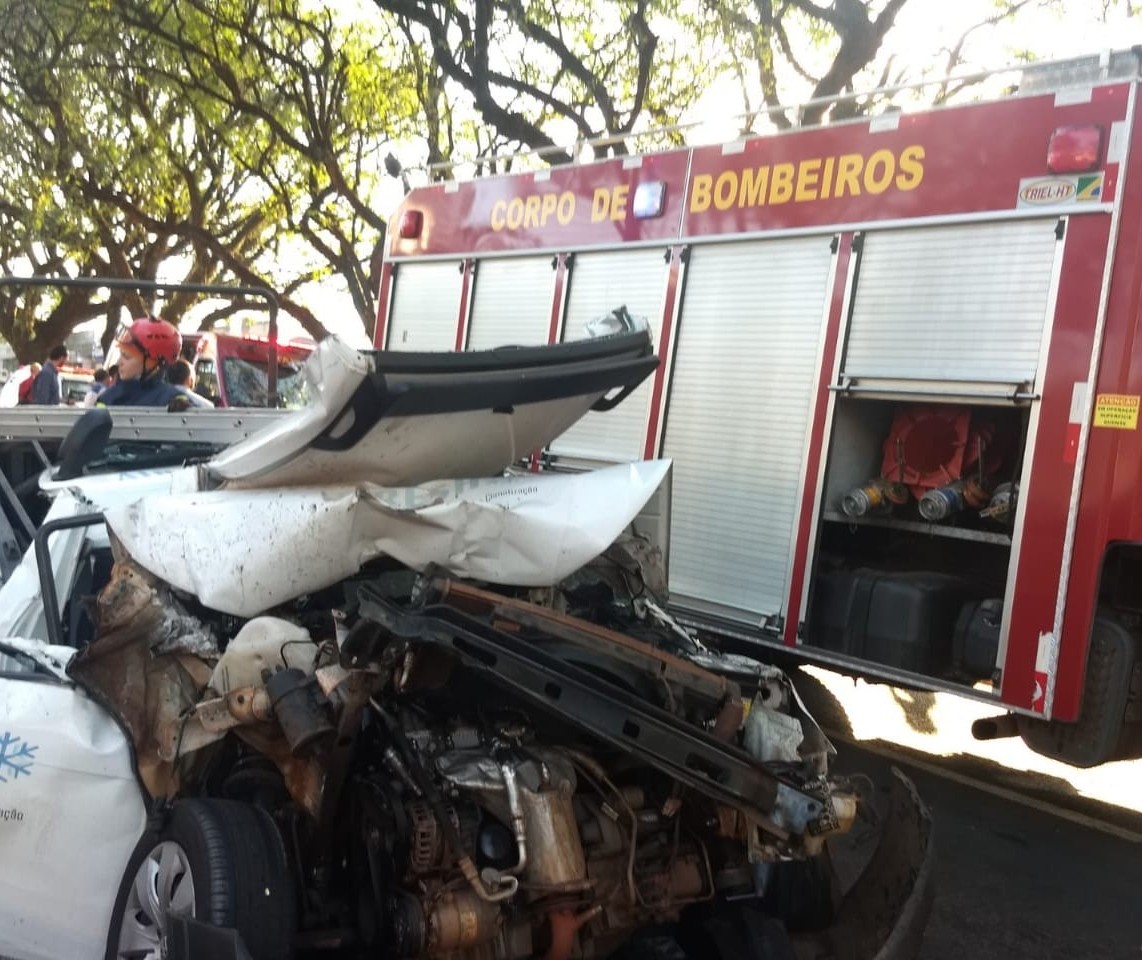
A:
146, 348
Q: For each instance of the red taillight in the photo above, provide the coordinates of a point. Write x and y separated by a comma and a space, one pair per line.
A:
1074, 149
410, 223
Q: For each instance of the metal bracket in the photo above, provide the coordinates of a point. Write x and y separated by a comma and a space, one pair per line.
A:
682, 751
852, 387
223, 426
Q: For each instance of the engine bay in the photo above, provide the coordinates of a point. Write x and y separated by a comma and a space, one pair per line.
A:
458, 772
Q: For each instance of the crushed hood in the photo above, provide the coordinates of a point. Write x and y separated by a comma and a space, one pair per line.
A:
246, 551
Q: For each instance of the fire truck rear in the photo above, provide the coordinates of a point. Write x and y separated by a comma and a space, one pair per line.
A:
899, 382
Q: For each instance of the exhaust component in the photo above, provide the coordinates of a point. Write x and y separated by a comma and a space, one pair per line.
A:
557, 861
519, 829
995, 728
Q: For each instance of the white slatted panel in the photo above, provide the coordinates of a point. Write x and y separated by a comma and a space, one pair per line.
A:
600, 282
426, 306
512, 305
952, 303
744, 375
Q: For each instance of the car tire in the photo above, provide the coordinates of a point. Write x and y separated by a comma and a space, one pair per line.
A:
219, 862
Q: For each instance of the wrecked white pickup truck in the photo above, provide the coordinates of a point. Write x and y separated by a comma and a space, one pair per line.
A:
346, 688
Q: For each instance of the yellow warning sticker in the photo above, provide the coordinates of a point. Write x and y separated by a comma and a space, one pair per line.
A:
1116, 410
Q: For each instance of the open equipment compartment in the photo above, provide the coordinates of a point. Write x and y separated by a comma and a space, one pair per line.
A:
933, 404
913, 574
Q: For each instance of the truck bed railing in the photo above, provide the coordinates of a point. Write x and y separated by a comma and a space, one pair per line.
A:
223, 426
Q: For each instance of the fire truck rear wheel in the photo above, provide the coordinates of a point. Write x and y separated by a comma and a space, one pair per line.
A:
1109, 726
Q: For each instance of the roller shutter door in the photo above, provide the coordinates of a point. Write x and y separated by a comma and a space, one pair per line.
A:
952, 303
600, 282
426, 306
744, 375
512, 304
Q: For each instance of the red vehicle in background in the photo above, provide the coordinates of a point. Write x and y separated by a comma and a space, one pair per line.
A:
232, 371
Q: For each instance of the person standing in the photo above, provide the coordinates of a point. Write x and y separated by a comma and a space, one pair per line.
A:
146, 348
24, 391
46, 389
99, 383
181, 375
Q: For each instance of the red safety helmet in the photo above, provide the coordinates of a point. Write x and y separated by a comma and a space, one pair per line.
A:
155, 339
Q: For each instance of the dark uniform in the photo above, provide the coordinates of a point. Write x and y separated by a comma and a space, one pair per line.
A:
152, 390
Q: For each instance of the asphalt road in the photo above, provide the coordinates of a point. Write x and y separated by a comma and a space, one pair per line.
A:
1015, 882
1034, 860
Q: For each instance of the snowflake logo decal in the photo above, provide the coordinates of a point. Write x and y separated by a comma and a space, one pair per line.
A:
16, 756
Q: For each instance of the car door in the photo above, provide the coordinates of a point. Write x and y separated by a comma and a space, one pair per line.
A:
71, 808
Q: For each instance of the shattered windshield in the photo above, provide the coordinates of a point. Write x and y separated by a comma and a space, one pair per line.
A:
246, 383
124, 455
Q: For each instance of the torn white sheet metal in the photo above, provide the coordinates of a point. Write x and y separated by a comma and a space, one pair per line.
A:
245, 552
106, 490
334, 372
58, 875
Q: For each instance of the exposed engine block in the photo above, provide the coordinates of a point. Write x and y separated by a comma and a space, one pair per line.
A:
565, 855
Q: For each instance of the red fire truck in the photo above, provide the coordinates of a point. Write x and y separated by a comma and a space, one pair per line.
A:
899, 381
